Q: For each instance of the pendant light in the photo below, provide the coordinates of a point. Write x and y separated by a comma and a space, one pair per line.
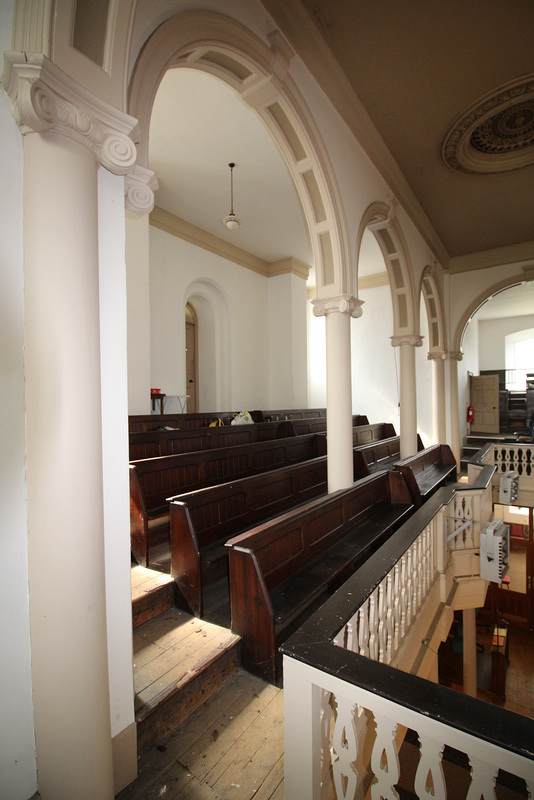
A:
231, 221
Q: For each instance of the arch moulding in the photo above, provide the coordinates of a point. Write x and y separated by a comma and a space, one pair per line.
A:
380, 218
471, 310
258, 72
433, 299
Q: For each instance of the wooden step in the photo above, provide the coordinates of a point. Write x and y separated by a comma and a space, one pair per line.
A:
152, 594
179, 661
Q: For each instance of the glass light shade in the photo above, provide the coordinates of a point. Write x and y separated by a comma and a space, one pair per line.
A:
231, 222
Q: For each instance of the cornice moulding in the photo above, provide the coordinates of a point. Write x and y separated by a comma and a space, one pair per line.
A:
373, 281
170, 223
512, 254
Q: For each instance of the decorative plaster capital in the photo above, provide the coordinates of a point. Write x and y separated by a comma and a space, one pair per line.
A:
343, 304
437, 355
139, 187
46, 99
412, 339
456, 355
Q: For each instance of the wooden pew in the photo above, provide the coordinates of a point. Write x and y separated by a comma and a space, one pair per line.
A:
151, 422
427, 471
280, 570
202, 521
151, 444
154, 480
377, 455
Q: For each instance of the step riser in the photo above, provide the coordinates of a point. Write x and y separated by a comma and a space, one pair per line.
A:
176, 708
153, 604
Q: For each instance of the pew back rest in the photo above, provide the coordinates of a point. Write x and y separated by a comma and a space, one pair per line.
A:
163, 477
285, 545
365, 434
220, 511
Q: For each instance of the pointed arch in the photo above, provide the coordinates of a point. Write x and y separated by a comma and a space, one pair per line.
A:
258, 72
380, 219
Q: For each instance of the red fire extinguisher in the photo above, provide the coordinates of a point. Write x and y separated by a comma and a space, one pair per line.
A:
470, 414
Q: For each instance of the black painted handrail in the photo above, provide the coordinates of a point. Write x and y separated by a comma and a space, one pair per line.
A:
313, 644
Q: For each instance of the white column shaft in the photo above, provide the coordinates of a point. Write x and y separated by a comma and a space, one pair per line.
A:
438, 400
338, 401
64, 471
408, 401
455, 444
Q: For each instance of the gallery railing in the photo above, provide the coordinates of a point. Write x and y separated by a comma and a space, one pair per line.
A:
355, 724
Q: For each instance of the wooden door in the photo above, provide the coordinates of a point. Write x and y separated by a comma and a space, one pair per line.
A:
484, 392
191, 368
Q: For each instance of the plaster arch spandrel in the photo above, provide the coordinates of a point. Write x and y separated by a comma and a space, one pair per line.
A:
380, 218
259, 73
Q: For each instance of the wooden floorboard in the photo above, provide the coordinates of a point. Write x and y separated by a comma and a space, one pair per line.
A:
231, 748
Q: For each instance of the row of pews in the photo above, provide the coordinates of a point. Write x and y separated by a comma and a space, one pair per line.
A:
255, 517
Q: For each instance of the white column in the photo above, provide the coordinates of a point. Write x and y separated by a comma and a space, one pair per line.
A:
455, 444
470, 651
338, 312
438, 394
69, 134
408, 392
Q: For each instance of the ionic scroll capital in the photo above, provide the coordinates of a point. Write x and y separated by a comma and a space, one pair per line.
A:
46, 99
139, 187
413, 339
343, 304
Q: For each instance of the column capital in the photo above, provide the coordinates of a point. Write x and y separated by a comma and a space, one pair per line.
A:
413, 339
456, 355
343, 304
139, 187
438, 354
44, 98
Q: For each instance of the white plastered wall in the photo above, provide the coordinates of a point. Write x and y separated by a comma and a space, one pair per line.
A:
244, 318
492, 339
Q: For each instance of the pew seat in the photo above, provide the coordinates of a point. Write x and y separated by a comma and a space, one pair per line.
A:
281, 570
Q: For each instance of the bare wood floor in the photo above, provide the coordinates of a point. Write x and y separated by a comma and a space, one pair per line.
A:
231, 748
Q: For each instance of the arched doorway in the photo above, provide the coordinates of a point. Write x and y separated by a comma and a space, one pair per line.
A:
191, 358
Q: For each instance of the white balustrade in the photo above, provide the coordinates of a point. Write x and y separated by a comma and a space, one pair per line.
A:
363, 720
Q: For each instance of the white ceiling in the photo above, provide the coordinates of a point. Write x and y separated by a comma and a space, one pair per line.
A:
414, 66
198, 126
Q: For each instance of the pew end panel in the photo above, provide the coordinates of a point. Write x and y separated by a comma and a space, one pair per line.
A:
252, 614
186, 564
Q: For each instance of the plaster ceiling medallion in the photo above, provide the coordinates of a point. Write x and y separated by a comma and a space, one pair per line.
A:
496, 133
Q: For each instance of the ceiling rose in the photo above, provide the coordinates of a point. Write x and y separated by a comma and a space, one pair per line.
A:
496, 133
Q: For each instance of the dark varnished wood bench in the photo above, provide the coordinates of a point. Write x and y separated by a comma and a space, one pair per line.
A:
280, 570
202, 521
152, 422
427, 470
151, 444
154, 480
377, 455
